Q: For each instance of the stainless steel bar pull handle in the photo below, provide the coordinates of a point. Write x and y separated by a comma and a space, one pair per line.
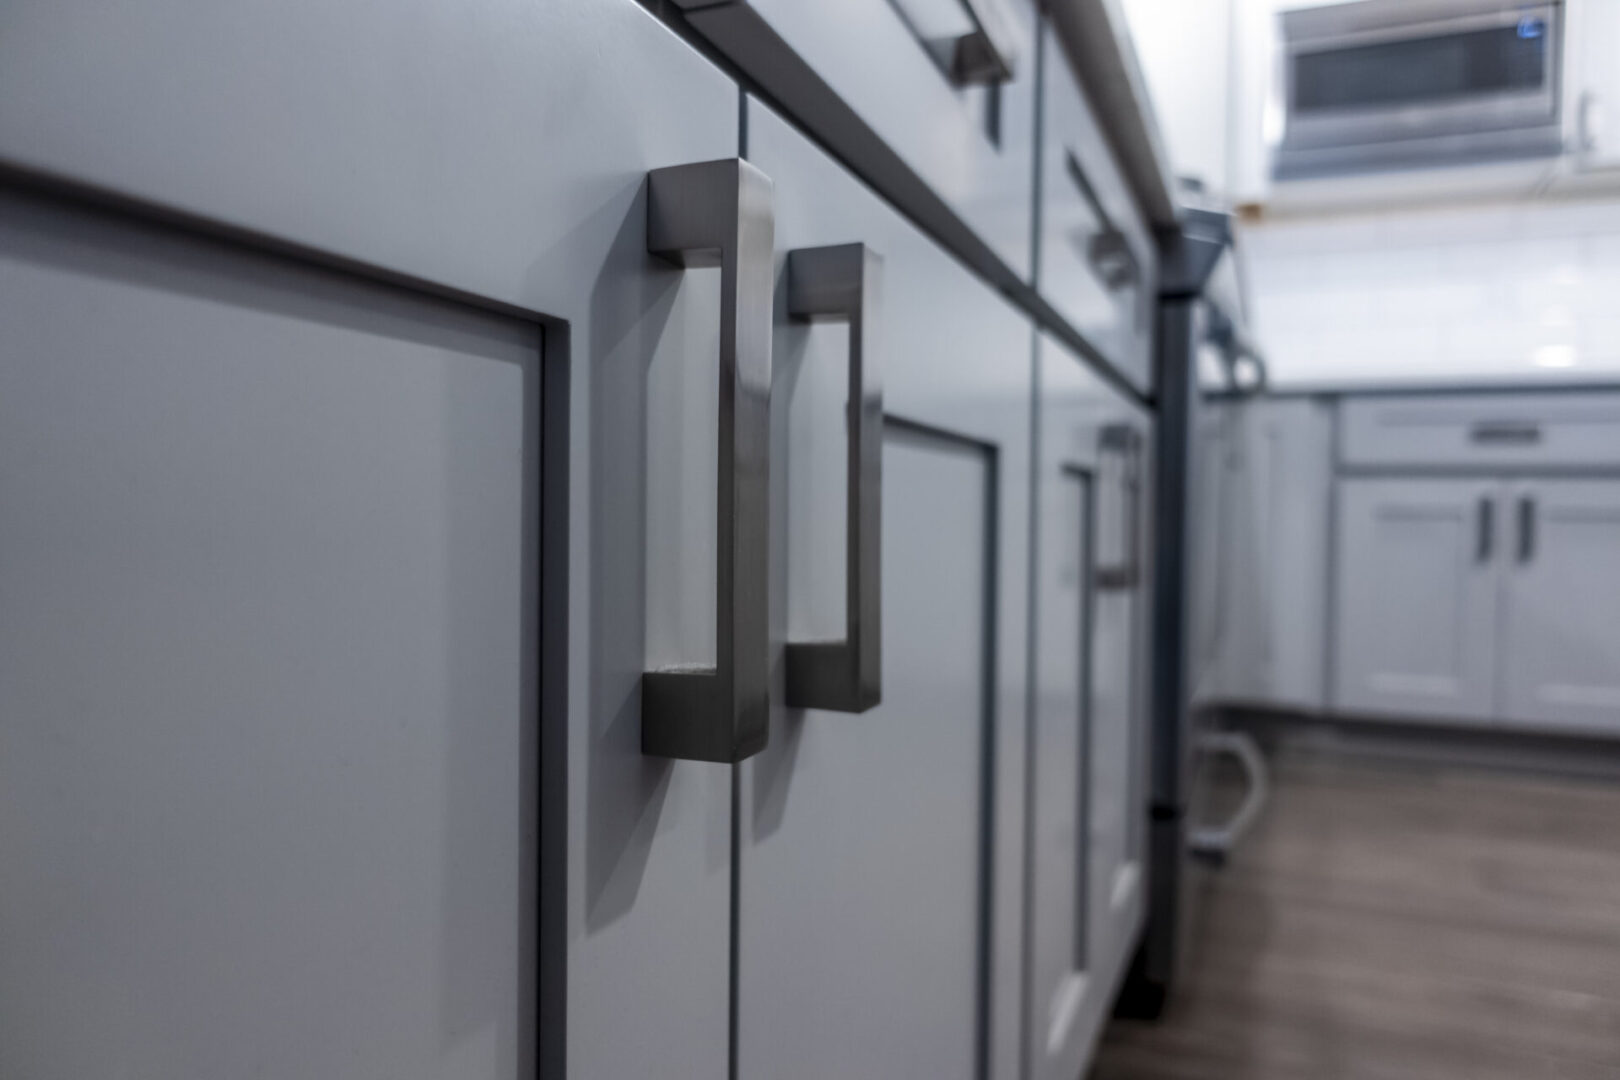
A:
1125, 441
846, 676
719, 213
1487, 527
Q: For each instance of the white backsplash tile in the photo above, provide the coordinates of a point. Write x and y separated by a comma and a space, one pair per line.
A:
1469, 292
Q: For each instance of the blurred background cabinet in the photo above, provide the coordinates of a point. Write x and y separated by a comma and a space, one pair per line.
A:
1484, 599
1417, 584
879, 843
1560, 659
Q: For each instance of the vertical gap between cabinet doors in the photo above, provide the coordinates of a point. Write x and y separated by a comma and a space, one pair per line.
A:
734, 928
1026, 941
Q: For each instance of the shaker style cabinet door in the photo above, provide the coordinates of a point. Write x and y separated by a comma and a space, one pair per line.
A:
1561, 624
291, 680
1086, 784
1416, 597
879, 838
269, 557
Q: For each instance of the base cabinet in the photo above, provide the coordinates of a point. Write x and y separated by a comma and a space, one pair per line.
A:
1560, 657
1480, 600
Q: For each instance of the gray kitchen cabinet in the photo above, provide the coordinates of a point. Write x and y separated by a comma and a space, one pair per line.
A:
299, 646
1086, 786
1560, 653
880, 850
1416, 597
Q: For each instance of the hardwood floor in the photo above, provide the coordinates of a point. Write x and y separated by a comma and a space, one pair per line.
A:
1393, 921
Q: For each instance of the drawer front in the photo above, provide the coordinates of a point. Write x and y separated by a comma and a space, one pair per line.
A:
1097, 263
902, 70
1565, 430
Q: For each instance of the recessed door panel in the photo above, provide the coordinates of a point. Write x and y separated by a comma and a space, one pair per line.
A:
866, 865
268, 665
1561, 646
1417, 589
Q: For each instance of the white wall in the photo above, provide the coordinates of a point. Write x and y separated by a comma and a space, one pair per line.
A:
1466, 293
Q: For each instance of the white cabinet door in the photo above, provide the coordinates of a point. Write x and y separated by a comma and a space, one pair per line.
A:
1086, 793
1273, 573
878, 82
270, 655
879, 852
1561, 624
1593, 94
1416, 597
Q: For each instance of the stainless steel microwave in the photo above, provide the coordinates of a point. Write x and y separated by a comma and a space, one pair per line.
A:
1383, 84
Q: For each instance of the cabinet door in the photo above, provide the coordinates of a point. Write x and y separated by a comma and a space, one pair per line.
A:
1416, 597
1593, 82
271, 651
879, 850
1086, 785
1561, 623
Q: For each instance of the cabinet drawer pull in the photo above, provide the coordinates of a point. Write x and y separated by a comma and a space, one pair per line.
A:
1505, 433
1487, 528
720, 213
1527, 529
841, 282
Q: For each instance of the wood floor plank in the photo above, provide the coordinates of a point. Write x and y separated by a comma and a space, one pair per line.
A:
1388, 922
